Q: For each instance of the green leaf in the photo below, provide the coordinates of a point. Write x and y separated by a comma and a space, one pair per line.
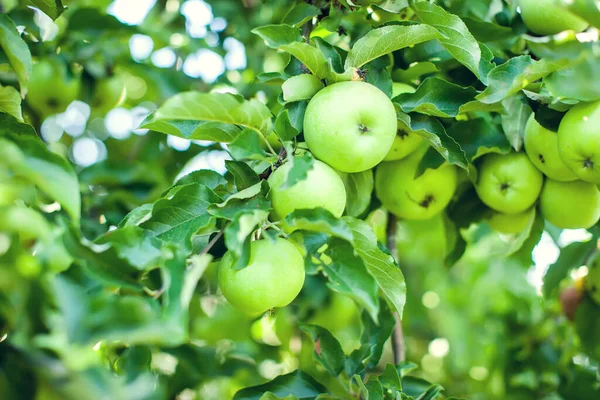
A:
301, 165
238, 235
347, 274
478, 137
380, 265
436, 97
247, 146
175, 219
105, 264
328, 350
455, 35
385, 40
209, 116
588, 326
571, 256
286, 38
359, 187
52, 8
10, 102
243, 175
133, 245
318, 220
16, 51
296, 383
301, 14
580, 82
372, 341
526, 241
390, 379
22, 151
206, 177
514, 118
278, 35
515, 74
284, 128
431, 129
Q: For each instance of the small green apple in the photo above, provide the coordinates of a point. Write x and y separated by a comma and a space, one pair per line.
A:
322, 187
52, 87
511, 223
544, 17
579, 141
301, 87
592, 280
406, 141
273, 278
570, 205
109, 93
350, 125
508, 183
414, 198
541, 145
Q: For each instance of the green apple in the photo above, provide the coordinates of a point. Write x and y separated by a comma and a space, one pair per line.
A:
301, 87
544, 17
579, 141
508, 183
570, 205
406, 141
109, 93
541, 145
592, 280
52, 87
511, 223
350, 125
273, 278
322, 187
414, 198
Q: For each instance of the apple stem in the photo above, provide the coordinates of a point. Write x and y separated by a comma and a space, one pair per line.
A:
398, 344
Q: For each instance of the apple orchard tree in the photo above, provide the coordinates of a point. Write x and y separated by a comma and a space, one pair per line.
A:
345, 199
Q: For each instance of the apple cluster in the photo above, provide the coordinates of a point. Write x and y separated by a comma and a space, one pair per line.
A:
53, 86
560, 169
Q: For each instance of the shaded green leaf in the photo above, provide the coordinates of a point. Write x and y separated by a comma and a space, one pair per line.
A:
243, 175
16, 51
24, 153
436, 97
52, 8
571, 256
359, 187
10, 102
296, 383
328, 350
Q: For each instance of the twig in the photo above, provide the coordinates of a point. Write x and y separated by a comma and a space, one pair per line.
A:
280, 157
398, 345
214, 239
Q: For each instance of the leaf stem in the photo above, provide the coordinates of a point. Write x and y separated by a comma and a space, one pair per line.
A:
214, 239
398, 344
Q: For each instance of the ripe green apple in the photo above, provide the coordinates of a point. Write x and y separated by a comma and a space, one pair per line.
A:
414, 198
545, 18
570, 205
52, 87
579, 141
541, 145
592, 280
109, 93
406, 141
511, 223
273, 278
350, 125
322, 187
508, 183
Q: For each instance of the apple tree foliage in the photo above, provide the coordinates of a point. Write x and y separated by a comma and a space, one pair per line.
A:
109, 269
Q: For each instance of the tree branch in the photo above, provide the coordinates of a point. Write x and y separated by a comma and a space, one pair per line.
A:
398, 345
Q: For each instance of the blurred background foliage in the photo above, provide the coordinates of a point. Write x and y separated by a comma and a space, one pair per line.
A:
480, 329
